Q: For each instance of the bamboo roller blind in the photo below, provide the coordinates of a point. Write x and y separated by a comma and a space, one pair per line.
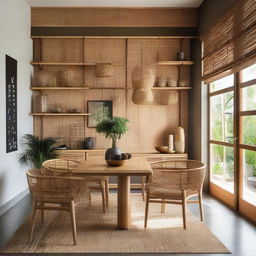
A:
231, 43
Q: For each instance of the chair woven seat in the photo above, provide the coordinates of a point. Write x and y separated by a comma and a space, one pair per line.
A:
164, 193
171, 192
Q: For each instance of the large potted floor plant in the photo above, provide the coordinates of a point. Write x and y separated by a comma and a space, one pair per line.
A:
38, 150
112, 128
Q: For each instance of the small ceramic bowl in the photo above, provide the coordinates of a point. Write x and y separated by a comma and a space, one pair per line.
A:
164, 149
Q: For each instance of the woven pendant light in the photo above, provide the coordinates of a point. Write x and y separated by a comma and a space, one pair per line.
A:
142, 83
143, 79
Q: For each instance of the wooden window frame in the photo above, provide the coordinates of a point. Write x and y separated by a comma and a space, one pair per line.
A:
217, 191
235, 200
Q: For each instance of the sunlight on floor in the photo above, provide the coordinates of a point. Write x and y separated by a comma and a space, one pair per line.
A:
160, 223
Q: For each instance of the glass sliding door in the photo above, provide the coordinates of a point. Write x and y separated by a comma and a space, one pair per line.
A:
221, 143
247, 142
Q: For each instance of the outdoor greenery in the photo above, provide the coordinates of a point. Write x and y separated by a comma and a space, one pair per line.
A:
38, 150
113, 128
222, 130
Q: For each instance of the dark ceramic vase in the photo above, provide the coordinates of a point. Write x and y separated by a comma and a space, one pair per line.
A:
114, 150
89, 143
180, 56
111, 152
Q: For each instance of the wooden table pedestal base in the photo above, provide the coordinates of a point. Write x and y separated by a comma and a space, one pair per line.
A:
124, 208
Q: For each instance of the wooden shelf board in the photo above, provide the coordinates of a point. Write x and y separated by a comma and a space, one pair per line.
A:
91, 89
59, 88
175, 63
80, 150
107, 88
36, 63
75, 88
60, 114
155, 154
62, 64
136, 37
172, 88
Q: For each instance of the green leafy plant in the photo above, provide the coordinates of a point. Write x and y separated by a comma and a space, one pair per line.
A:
113, 128
38, 150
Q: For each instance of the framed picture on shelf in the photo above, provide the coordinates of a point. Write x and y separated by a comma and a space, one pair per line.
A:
99, 110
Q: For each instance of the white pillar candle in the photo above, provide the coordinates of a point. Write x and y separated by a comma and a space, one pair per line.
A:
170, 145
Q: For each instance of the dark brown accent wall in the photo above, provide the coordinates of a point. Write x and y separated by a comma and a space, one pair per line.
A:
113, 31
208, 14
113, 17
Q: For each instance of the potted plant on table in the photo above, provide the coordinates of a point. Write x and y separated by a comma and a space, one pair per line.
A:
38, 150
112, 128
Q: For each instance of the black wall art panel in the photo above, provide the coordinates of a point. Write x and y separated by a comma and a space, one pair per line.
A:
11, 104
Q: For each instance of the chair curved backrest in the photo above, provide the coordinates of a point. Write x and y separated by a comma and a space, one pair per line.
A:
182, 174
60, 166
54, 188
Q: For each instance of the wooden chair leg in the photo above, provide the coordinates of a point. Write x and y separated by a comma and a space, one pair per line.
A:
162, 206
42, 213
90, 197
107, 192
73, 220
184, 209
32, 220
103, 193
201, 206
146, 211
143, 187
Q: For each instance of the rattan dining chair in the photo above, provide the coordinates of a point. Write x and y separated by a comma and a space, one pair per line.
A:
56, 193
96, 183
143, 178
175, 182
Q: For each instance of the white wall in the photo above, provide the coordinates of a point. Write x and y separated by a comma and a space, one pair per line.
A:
14, 41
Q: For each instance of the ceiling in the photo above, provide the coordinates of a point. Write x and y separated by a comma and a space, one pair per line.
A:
115, 3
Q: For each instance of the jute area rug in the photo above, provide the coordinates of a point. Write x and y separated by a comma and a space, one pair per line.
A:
97, 232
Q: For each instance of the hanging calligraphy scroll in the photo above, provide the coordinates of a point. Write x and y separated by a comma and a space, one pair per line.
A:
11, 104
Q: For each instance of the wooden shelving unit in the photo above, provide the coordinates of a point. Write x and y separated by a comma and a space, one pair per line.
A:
60, 114
80, 54
59, 88
172, 88
175, 63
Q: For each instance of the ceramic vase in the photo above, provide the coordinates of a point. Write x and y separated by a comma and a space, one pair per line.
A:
180, 56
179, 140
170, 143
89, 143
114, 150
